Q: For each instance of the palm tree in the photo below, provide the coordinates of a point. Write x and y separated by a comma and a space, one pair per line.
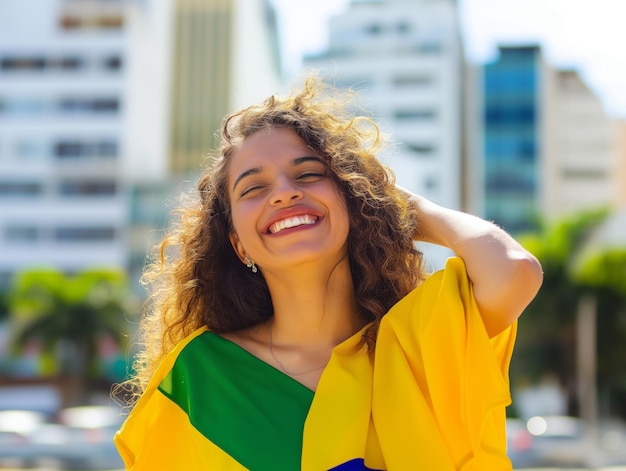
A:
67, 317
575, 272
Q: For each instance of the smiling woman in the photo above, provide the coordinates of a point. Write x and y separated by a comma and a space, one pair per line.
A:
292, 324
286, 209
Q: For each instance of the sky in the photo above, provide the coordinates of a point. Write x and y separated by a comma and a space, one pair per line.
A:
586, 35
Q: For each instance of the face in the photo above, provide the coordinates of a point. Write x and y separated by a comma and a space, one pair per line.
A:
286, 207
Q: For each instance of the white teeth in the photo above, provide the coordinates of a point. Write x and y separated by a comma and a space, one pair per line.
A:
292, 222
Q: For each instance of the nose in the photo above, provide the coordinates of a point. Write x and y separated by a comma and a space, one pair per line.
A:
285, 191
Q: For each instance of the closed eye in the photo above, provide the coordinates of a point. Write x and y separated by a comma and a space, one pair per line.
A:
311, 176
251, 189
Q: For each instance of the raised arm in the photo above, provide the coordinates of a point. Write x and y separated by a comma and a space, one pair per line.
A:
505, 276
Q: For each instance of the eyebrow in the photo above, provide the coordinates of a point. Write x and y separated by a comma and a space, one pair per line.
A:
297, 161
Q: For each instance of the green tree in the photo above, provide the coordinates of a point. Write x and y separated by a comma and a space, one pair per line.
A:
574, 268
67, 317
4, 305
602, 273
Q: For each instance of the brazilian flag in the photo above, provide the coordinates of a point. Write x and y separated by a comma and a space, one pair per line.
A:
431, 396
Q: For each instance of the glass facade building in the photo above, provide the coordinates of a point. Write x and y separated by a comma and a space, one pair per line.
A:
511, 90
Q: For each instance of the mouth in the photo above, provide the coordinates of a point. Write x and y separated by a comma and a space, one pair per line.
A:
291, 222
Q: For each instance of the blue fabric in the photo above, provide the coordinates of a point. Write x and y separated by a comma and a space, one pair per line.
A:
353, 465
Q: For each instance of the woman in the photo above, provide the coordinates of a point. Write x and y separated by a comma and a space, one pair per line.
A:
293, 325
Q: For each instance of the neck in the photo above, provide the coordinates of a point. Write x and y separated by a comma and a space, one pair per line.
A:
314, 308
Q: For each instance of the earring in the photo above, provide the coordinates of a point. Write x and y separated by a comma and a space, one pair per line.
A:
250, 264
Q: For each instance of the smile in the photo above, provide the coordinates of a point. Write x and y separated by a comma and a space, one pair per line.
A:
295, 221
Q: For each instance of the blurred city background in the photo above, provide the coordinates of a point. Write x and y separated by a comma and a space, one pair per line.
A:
507, 109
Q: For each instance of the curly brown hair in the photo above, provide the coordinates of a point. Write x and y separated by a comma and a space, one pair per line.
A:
196, 279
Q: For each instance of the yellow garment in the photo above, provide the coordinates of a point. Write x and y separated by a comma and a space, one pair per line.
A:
437, 388
432, 397
440, 384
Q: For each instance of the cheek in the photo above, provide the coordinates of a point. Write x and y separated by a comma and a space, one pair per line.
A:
237, 220
341, 206
243, 218
340, 200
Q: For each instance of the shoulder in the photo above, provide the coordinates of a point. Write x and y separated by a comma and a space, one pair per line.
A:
440, 306
172, 356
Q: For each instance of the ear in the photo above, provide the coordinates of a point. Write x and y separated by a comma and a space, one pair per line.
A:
237, 247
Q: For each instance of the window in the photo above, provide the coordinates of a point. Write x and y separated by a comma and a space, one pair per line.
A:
29, 106
73, 105
19, 233
88, 105
27, 189
510, 146
107, 148
412, 80
584, 174
414, 115
105, 105
68, 63
430, 47
510, 79
109, 22
84, 234
88, 188
71, 149
510, 115
27, 149
75, 22
64, 63
22, 63
70, 22
423, 150
374, 29
511, 180
22, 106
40, 63
112, 63
403, 27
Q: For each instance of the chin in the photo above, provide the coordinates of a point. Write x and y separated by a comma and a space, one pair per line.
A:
316, 257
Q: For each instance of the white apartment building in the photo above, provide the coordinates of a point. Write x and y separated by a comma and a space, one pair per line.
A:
105, 108
62, 106
405, 59
581, 165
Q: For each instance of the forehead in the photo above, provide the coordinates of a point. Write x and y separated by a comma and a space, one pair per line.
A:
270, 140
270, 146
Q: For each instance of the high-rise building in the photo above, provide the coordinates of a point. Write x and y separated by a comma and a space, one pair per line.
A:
106, 108
579, 168
510, 129
540, 144
62, 107
404, 57
216, 55
190, 63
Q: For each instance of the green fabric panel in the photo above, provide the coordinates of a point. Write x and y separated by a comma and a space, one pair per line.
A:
246, 407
